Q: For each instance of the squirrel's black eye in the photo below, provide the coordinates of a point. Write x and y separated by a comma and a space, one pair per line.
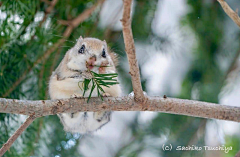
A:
82, 49
103, 53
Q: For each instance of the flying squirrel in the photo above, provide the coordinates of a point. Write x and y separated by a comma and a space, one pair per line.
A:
87, 54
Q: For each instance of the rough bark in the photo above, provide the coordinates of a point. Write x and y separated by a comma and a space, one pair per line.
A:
130, 50
127, 103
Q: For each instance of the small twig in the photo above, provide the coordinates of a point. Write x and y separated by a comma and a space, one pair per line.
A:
19, 131
46, 1
131, 54
48, 11
232, 67
83, 16
232, 14
64, 22
79, 19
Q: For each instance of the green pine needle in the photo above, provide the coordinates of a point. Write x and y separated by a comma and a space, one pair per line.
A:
98, 80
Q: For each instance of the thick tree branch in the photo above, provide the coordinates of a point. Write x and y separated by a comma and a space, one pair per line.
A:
66, 34
232, 14
130, 50
19, 131
127, 103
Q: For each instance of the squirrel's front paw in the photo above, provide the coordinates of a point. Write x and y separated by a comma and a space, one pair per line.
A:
87, 75
76, 96
99, 116
73, 115
106, 95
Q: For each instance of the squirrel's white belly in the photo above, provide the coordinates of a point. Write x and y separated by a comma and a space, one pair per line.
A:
81, 122
64, 88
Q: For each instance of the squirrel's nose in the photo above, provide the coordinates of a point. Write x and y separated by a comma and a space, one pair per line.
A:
93, 58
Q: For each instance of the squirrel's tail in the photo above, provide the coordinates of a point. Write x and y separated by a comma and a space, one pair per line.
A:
84, 122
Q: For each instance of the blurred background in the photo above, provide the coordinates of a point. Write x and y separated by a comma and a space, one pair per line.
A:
186, 49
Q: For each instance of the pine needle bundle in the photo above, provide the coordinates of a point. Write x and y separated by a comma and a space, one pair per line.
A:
98, 81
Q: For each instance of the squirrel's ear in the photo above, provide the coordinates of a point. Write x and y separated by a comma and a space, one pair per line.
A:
80, 39
105, 42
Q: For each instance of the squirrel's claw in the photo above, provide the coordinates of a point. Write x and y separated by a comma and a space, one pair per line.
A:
76, 96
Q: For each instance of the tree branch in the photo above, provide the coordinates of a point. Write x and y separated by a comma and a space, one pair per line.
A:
48, 11
127, 103
232, 14
80, 18
19, 131
46, 1
66, 34
131, 54
233, 65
